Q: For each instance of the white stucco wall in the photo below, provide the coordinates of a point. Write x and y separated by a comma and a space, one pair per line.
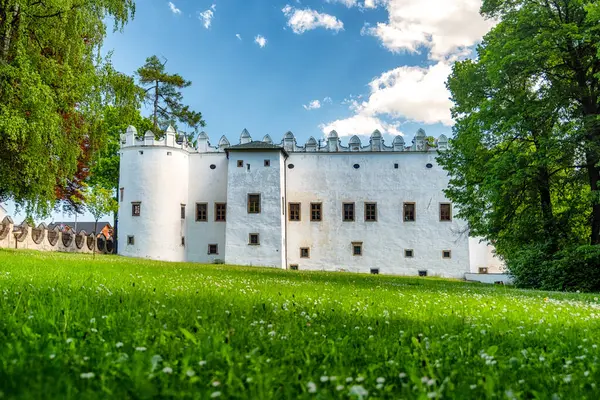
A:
332, 180
160, 182
209, 186
267, 182
482, 255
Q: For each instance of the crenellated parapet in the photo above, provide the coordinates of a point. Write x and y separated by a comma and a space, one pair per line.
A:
331, 144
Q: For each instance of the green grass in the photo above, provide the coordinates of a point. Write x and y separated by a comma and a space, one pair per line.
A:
73, 327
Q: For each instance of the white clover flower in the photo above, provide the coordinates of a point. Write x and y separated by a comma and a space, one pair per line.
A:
379, 386
93, 321
473, 387
381, 379
214, 395
216, 383
272, 333
140, 349
339, 387
52, 356
167, 370
360, 379
69, 340
190, 372
324, 378
87, 375
402, 375
359, 391
349, 379
202, 363
312, 387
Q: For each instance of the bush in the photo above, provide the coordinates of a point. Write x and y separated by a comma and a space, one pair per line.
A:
571, 269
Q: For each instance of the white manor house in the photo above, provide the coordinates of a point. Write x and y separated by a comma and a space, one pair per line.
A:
322, 206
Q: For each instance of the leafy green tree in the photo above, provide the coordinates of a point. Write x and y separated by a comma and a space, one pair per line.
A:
49, 74
556, 42
164, 94
99, 202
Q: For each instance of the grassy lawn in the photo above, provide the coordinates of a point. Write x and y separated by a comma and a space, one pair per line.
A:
73, 327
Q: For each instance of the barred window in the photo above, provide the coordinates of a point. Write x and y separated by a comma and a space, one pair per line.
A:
220, 212
370, 211
357, 248
201, 212
315, 212
409, 212
445, 212
348, 212
253, 239
136, 209
304, 252
294, 211
254, 204
213, 249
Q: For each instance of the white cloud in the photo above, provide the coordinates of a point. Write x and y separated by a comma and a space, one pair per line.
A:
207, 16
237, 35
409, 93
360, 125
347, 3
260, 40
174, 9
305, 20
446, 28
327, 100
313, 105
357, 3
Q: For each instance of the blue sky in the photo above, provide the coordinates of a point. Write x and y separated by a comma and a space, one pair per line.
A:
307, 66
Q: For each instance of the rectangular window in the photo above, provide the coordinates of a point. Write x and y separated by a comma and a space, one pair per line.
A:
375, 271
253, 239
202, 212
240, 163
254, 204
408, 253
445, 212
422, 272
371, 212
304, 252
294, 211
130, 240
409, 212
294, 267
315, 212
396, 166
183, 211
357, 248
183, 240
136, 209
220, 212
348, 211
267, 163
169, 153
121, 194
213, 249
446, 254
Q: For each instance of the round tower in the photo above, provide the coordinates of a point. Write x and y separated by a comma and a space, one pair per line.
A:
153, 193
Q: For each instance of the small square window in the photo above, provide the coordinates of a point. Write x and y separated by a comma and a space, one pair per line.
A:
294, 214
169, 153
408, 253
253, 239
202, 212
294, 267
267, 163
183, 240
446, 254
396, 166
423, 272
375, 271
315, 212
445, 212
130, 240
370, 212
240, 163
304, 252
121, 194
357, 248
409, 212
136, 209
213, 249
348, 212
254, 204
183, 211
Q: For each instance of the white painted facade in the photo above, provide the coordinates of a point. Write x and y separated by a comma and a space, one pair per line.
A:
163, 175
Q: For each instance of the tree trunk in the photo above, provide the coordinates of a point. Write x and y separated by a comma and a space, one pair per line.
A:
8, 32
95, 239
156, 107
